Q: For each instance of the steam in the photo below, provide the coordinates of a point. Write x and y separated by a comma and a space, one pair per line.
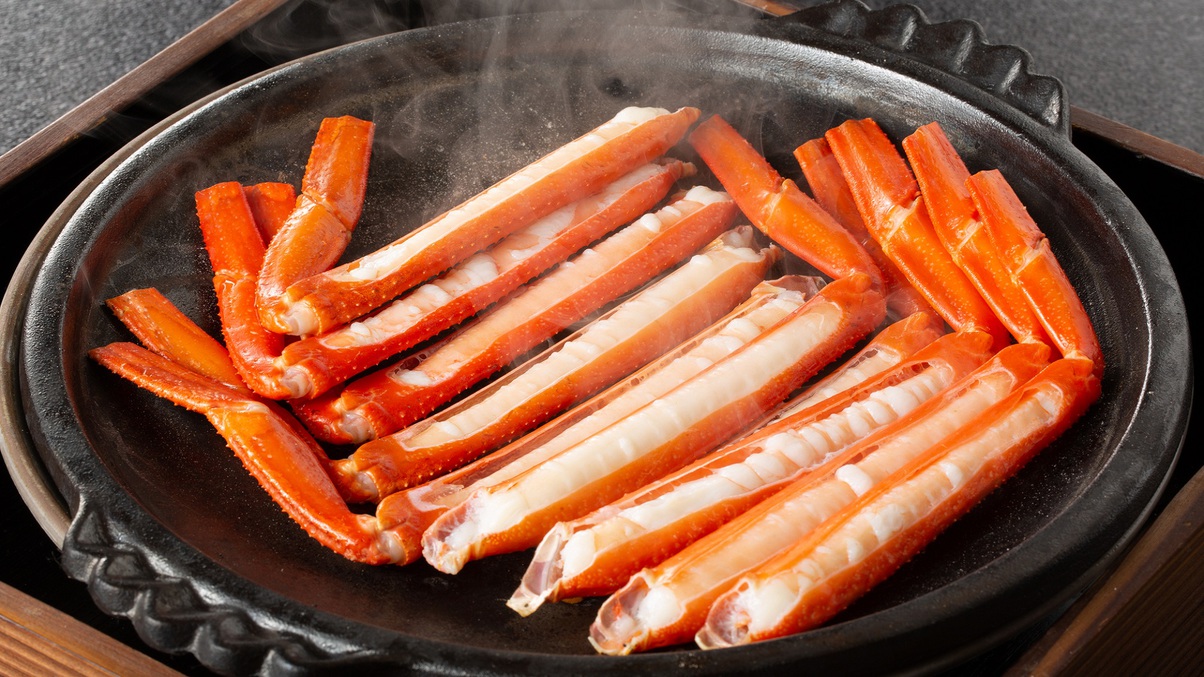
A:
481, 89
497, 92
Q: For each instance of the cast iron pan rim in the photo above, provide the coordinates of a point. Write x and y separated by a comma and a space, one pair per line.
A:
648, 660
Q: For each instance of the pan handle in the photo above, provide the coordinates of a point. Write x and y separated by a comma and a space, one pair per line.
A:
957, 48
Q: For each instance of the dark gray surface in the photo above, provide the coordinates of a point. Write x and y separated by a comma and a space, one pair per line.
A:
54, 54
1135, 62
1139, 63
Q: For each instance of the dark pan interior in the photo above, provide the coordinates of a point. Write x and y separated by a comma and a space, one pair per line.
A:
457, 108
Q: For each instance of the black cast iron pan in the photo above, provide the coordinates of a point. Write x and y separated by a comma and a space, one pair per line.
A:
170, 531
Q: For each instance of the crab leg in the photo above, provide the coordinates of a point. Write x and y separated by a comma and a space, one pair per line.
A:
285, 461
1032, 264
319, 228
667, 604
634, 137
661, 436
314, 365
271, 203
832, 193
886, 526
597, 554
236, 252
635, 332
387, 400
405, 515
777, 206
162, 328
888, 348
942, 178
891, 205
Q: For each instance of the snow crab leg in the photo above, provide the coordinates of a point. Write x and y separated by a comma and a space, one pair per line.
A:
582, 167
887, 525
316, 364
236, 253
162, 328
285, 461
405, 515
668, 603
597, 554
942, 178
661, 436
635, 332
846, 480
270, 203
889, 347
891, 205
832, 192
316, 233
388, 400
663, 605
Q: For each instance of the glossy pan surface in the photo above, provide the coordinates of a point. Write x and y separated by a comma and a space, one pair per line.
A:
169, 530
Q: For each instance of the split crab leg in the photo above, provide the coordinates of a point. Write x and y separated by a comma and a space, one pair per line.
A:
635, 332
387, 400
662, 605
318, 229
887, 525
405, 515
285, 461
777, 206
668, 603
316, 364
832, 192
597, 554
661, 436
891, 205
582, 167
889, 347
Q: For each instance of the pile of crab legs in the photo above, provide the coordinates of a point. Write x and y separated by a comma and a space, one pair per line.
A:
654, 455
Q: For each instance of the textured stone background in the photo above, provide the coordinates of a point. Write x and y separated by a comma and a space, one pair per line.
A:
1138, 63
56, 53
